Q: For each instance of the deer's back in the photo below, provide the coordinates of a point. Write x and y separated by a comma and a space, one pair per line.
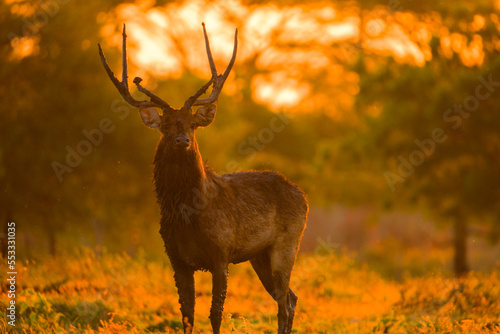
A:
248, 211
260, 191
264, 206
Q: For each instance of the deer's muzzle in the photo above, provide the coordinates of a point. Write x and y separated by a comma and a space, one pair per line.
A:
182, 141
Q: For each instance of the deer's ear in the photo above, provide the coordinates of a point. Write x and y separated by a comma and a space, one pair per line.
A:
205, 115
150, 117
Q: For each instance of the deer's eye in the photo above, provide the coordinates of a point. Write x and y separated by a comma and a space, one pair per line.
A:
193, 126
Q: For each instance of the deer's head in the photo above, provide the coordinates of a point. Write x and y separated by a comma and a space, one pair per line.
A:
176, 125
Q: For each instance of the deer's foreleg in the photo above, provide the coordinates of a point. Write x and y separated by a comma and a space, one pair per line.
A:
219, 288
184, 280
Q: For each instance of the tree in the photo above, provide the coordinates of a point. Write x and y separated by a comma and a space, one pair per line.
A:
433, 128
51, 158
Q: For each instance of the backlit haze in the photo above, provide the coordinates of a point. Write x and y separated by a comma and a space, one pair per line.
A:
289, 44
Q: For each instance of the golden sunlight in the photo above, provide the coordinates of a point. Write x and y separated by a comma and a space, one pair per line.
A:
279, 90
155, 51
282, 40
21, 8
161, 41
23, 47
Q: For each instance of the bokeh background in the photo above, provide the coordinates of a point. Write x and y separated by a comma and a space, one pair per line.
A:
387, 113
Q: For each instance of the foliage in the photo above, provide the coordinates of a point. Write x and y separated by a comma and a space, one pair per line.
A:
109, 293
365, 106
431, 132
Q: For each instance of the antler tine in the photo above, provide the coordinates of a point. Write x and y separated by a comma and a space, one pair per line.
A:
124, 58
209, 52
154, 98
218, 80
122, 86
190, 101
233, 57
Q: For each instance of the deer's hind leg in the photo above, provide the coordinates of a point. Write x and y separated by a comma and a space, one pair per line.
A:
282, 261
273, 269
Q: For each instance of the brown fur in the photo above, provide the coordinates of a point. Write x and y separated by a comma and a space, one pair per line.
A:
209, 221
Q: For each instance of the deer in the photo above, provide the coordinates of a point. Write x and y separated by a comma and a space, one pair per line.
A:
209, 221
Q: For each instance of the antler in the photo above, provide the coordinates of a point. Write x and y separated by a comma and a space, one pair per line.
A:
217, 80
122, 86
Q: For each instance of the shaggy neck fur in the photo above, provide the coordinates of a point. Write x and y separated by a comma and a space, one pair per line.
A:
178, 175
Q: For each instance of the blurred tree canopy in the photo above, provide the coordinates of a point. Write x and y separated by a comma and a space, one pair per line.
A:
434, 130
365, 95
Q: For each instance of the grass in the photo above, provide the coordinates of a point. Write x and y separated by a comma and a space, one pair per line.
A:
114, 293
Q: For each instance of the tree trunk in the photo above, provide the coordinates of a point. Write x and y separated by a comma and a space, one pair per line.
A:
460, 244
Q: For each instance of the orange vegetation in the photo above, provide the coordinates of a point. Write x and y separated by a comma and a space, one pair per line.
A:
118, 294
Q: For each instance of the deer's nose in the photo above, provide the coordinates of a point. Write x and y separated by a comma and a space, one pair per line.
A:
182, 141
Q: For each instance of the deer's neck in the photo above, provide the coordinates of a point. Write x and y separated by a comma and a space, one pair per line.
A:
179, 176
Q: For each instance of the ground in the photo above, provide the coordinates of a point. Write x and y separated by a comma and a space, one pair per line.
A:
116, 293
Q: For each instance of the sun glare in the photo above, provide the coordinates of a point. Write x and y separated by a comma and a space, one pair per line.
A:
23, 47
155, 51
161, 41
165, 41
279, 90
